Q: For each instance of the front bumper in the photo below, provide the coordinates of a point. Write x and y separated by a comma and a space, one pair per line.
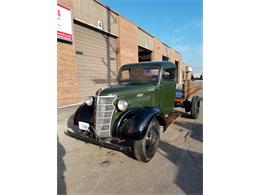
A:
101, 143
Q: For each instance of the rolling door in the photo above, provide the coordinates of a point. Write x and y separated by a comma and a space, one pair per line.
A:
96, 60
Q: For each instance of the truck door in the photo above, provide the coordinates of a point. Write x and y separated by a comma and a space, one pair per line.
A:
168, 88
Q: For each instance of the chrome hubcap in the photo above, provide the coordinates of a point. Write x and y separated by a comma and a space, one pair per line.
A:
151, 139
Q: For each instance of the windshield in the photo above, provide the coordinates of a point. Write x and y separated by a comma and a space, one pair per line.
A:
139, 74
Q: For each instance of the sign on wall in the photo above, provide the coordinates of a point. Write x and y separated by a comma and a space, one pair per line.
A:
64, 27
100, 24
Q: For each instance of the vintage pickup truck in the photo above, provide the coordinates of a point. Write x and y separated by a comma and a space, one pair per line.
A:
128, 116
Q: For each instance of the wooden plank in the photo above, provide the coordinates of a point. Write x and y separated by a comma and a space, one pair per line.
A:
191, 91
188, 93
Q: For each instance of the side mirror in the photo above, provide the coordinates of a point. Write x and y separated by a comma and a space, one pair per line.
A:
166, 75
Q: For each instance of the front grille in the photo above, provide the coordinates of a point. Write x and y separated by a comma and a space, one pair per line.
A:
104, 113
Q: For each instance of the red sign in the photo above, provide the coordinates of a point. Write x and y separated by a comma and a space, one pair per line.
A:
64, 26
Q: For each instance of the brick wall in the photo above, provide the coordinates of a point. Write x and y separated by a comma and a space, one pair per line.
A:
67, 86
181, 66
127, 42
157, 50
174, 56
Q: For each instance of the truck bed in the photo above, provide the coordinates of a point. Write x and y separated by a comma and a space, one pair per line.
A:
188, 90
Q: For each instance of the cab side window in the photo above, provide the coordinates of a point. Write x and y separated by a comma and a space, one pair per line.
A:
169, 74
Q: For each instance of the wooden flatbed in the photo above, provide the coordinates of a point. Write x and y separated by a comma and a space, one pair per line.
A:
189, 89
193, 105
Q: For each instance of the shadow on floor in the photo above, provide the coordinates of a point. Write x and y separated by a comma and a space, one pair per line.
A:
74, 128
183, 114
196, 129
190, 167
70, 124
61, 185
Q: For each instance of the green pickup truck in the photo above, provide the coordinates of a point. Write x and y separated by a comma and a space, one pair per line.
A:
128, 116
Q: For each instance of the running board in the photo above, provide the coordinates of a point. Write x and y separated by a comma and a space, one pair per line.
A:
172, 117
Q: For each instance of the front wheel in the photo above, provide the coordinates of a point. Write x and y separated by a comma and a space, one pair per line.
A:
145, 148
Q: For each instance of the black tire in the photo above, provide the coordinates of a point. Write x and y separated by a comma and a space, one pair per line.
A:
195, 107
187, 105
145, 148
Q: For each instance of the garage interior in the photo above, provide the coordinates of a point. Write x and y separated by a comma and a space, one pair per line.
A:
164, 58
144, 54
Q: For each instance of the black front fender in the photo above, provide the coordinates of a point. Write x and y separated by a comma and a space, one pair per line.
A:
84, 113
133, 123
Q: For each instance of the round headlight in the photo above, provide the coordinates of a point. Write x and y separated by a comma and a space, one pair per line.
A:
89, 100
122, 105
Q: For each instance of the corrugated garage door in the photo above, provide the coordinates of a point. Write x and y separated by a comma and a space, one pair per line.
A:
96, 59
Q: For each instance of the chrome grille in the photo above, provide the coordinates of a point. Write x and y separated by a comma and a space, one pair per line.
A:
104, 113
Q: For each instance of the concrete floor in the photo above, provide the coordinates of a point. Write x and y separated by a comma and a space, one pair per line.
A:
175, 169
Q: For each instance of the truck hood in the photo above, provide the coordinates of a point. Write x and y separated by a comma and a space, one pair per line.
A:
127, 89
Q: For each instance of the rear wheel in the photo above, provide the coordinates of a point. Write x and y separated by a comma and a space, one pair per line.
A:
145, 148
195, 107
187, 105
